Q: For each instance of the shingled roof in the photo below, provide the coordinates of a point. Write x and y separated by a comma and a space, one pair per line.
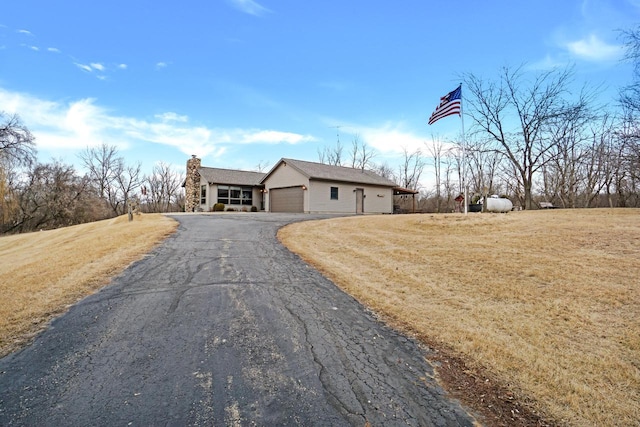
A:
231, 177
324, 172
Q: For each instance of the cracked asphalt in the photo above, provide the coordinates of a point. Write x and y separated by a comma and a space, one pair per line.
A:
221, 325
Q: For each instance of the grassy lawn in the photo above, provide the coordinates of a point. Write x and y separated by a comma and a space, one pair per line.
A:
44, 272
546, 303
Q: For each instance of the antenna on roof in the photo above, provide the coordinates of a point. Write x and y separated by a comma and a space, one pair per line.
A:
337, 132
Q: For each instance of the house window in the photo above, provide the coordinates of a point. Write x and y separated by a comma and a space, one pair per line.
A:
334, 193
233, 195
203, 195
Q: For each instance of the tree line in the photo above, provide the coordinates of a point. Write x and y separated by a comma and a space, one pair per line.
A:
531, 138
41, 196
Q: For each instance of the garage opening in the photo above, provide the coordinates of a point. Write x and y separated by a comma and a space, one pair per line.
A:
290, 199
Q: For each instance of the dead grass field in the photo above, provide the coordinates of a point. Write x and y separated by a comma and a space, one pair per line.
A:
42, 273
546, 302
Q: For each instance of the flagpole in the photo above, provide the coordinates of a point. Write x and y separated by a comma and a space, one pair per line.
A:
451, 104
464, 155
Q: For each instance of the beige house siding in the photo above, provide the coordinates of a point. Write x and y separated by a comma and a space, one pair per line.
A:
212, 197
320, 192
301, 183
286, 176
376, 199
205, 206
317, 194
258, 199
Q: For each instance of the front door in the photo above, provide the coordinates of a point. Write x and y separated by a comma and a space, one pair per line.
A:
359, 200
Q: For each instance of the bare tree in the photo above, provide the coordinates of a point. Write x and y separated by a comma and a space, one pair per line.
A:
115, 180
101, 163
17, 144
565, 167
331, 155
52, 196
361, 154
128, 180
17, 152
597, 163
262, 166
411, 169
630, 95
483, 162
438, 151
162, 188
626, 180
450, 189
533, 104
386, 171
629, 134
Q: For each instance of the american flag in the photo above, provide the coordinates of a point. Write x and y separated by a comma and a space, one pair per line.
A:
449, 105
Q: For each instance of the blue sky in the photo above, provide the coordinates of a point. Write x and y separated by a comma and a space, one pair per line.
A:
243, 82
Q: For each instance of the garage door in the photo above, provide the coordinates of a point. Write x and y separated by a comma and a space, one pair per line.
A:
289, 199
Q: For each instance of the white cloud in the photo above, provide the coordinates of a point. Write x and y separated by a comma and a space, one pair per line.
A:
122, 66
36, 48
160, 65
272, 137
391, 138
249, 6
55, 125
171, 117
81, 123
26, 32
592, 48
548, 63
53, 49
94, 66
84, 67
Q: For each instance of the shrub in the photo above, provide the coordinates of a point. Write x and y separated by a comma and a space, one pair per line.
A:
231, 209
218, 207
254, 209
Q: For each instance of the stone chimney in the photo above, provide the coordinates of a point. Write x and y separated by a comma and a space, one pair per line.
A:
192, 185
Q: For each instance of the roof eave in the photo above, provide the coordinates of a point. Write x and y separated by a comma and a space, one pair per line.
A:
348, 181
281, 161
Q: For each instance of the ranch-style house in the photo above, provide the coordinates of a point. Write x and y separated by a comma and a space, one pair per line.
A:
290, 186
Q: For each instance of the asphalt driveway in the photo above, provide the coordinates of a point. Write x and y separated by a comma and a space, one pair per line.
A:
221, 325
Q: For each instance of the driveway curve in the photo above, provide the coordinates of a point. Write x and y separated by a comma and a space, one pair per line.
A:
221, 325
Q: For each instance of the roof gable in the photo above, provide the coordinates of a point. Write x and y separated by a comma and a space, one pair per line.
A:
325, 172
231, 176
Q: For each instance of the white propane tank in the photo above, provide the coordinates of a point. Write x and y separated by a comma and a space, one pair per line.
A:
496, 204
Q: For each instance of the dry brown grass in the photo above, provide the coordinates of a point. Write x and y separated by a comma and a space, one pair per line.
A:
44, 272
546, 301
